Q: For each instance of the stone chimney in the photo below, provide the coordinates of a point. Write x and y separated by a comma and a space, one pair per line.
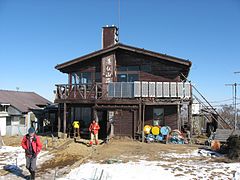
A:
109, 36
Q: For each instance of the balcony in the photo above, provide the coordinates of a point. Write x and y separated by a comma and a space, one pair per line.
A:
137, 89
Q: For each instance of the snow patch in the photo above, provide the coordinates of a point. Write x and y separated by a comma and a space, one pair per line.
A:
14, 157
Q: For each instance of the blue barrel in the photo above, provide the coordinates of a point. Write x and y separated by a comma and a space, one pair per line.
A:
165, 130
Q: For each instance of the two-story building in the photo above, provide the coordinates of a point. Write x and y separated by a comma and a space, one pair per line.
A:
125, 87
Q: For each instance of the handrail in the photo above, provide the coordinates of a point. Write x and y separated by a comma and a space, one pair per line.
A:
124, 90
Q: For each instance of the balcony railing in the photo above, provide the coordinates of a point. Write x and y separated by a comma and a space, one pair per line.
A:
135, 89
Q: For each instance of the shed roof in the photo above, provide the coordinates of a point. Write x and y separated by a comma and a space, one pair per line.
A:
23, 101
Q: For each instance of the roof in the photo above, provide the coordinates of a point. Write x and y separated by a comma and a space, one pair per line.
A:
23, 101
127, 48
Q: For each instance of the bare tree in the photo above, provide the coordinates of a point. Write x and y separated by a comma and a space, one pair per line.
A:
227, 112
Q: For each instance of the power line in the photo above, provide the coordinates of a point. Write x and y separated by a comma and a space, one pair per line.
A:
225, 100
234, 86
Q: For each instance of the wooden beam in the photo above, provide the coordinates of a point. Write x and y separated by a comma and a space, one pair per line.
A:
140, 118
64, 117
114, 107
134, 123
70, 81
190, 122
59, 117
143, 119
178, 117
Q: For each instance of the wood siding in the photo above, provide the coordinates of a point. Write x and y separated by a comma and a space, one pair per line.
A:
160, 70
123, 123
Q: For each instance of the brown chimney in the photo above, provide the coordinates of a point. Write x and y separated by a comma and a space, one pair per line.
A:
109, 36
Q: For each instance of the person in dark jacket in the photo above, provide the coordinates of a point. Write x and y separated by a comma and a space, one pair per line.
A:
32, 146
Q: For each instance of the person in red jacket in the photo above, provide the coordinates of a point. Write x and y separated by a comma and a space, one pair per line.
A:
32, 146
94, 127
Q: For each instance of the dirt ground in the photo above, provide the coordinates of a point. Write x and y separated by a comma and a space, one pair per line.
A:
67, 153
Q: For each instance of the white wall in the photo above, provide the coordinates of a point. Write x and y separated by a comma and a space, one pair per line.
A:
3, 125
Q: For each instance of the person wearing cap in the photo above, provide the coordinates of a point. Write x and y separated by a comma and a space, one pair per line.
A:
32, 146
94, 128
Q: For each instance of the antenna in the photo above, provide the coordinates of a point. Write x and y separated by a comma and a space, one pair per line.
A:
118, 18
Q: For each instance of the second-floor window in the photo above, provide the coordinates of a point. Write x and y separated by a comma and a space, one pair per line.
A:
82, 78
127, 73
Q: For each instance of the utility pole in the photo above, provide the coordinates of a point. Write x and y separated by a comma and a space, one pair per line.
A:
234, 102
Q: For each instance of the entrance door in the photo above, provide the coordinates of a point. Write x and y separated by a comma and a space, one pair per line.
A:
102, 121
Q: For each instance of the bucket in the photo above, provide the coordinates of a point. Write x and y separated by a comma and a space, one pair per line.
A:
155, 130
147, 129
165, 130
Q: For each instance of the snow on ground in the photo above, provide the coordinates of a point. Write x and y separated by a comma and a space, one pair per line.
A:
178, 169
13, 159
16, 156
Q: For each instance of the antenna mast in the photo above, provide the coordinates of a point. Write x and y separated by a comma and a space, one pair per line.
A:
118, 18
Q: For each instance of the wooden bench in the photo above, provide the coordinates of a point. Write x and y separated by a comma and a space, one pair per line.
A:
223, 134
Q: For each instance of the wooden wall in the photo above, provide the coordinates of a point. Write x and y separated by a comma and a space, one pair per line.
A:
170, 115
161, 70
123, 123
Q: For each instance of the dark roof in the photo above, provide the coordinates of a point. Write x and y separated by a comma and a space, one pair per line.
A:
127, 48
23, 101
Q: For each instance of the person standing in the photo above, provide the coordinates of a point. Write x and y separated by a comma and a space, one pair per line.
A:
76, 129
32, 146
94, 128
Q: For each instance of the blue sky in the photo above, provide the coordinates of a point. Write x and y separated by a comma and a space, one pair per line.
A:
37, 35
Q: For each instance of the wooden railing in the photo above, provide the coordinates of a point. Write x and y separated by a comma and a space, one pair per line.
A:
79, 91
124, 90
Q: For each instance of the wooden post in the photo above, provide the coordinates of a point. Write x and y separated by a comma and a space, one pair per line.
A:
143, 119
70, 81
190, 122
64, 117
178, 117
59, 117
134, 123
140, 118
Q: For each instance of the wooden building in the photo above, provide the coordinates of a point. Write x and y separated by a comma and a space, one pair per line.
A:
123, 86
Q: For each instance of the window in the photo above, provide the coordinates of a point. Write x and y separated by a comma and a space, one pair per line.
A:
86, 78
158, 116
82, 78
122, 68
122, 77
97, 77
146, 68
127, 73
133, 77
128, 68
8, 121
127, 77
22, 120
133, 68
